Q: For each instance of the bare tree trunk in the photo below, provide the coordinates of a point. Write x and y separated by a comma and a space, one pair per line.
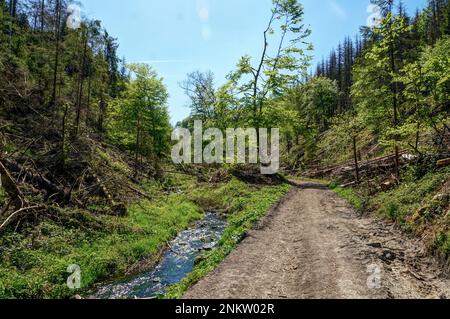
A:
101, 116
63, 142
7, 182
42, 14
88, 102
138, 138
13, 8
57, 49
81, 82
355, 154
418, 136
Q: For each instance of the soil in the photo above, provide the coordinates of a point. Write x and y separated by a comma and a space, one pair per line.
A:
314, 245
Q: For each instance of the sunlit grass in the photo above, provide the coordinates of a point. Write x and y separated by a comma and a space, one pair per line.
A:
246, 205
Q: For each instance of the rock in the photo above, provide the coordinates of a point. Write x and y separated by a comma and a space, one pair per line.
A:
388, 256
375, 245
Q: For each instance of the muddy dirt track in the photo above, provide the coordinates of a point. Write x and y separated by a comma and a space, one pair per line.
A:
314, 245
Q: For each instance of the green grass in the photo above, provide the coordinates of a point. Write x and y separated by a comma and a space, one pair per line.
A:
246, 206
442, 244
33, 262
401, 203
310, 180
415, 206
350, 195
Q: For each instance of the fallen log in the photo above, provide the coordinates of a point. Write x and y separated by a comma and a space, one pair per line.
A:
118, 208
443, 163
139, 192
15, 214
34, 178
349, 184
11, 188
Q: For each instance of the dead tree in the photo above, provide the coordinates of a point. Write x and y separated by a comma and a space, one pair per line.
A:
11, 188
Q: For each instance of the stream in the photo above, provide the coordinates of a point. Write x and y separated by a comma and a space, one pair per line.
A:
176, 262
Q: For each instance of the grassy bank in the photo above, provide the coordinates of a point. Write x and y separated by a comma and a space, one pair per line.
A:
33, 263
419, 205
245, 206
348, 194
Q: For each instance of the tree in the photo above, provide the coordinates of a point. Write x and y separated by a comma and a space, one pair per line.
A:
199, 87
316, 101
276, 69
427, 90
314, 104
379, 74
140, 119
58, 17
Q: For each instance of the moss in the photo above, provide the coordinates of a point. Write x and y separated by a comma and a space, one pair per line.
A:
115, 164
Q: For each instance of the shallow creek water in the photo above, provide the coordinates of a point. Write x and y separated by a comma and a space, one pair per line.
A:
176, 262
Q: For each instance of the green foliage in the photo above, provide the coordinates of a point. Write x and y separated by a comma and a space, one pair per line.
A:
140, 119
375, 77
315, 103
403, 202
276, 70
442, 244
309, 107
350, 195
33, 264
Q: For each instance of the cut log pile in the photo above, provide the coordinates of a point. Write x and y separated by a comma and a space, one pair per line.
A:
346, 171
27, 175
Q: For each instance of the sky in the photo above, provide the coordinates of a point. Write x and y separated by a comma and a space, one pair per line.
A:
177, 37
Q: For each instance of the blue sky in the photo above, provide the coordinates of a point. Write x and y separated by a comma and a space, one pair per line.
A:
180, 36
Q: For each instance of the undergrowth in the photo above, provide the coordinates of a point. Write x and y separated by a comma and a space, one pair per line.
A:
34, 262
421, 207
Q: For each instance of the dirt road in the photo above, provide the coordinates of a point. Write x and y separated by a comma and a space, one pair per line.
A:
315, 246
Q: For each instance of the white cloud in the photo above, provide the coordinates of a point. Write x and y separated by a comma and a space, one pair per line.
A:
337, 9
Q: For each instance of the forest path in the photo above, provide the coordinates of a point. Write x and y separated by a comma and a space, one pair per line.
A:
314, 245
